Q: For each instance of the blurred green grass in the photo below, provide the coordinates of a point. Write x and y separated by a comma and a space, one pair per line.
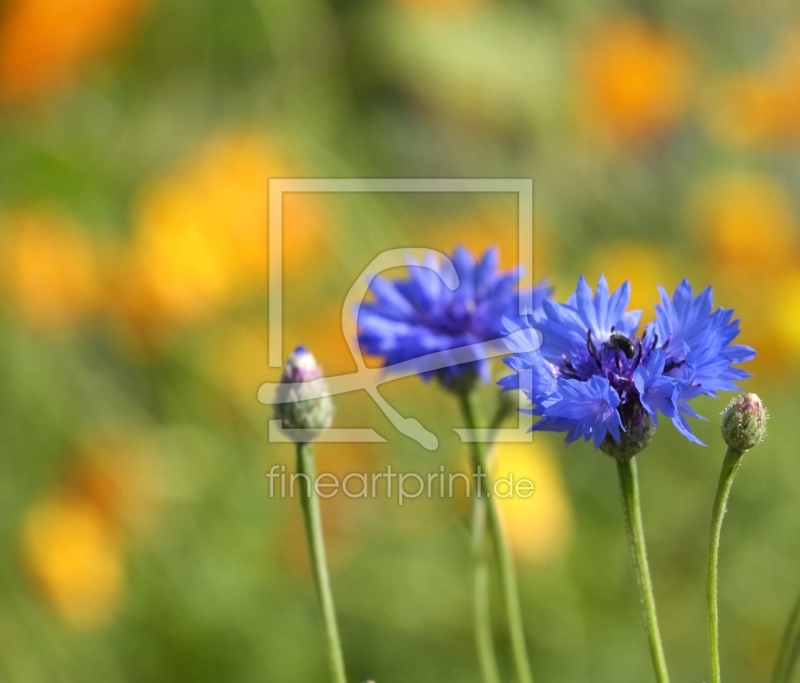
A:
213, 583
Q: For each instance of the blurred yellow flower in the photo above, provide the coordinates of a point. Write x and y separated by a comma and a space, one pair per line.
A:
746, 222
200, 237
74, 559
768, 303
784, 317
44, 43
50, 271
539, 528
634, 78
235, 357
176, 271
645, 264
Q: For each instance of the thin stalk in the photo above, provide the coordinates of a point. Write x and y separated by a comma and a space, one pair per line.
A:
786, 661
629, 485
316, 547
508, 577
729, 467
487, 659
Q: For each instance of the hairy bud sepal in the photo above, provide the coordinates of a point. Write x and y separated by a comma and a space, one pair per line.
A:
304, 406
744, 423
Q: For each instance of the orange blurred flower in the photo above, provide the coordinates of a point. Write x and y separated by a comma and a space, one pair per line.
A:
50, 269
120, 477
634, 78
44, 43
72, 542
75, 560
326, 333
746, 222
759, 107
750, 109
201, 236
236, 356
539, 527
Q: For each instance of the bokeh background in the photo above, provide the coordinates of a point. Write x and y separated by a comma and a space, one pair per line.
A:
136, 139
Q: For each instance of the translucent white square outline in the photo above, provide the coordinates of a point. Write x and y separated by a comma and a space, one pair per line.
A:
277, 187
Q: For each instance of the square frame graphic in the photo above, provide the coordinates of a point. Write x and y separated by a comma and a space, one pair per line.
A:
277, 187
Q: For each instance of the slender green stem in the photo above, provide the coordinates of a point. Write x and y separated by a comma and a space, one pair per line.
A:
316, 547
629, 484
791, 662
487, 658
505, 407
508, 577
786, 661
729, 466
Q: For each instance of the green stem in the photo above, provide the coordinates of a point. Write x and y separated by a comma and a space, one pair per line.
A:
316, 547
729, 466
786, 661
629, 484
487, 658
508, 577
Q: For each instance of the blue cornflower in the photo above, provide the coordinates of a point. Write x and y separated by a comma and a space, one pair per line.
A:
593, 377
422, 315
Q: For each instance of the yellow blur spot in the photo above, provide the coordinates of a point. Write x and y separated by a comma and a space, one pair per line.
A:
539, 528
782, 321
50, 269
43, 43
74, 559
498, 227
645, 265
746, 221
746, 224
200, 239
634, 79
235, 357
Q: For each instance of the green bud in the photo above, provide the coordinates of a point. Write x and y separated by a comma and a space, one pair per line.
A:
744, 422
303, 404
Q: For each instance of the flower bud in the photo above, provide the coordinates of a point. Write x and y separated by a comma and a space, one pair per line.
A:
639, 429
744, 422
302, 401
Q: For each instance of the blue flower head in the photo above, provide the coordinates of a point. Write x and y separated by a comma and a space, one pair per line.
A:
594, 377
421, 315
